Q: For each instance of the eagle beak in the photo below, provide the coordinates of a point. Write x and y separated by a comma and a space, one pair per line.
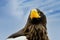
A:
34, 14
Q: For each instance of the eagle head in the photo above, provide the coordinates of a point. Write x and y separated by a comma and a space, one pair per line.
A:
37, 17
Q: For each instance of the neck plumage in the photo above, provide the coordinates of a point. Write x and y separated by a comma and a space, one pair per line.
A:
36, 32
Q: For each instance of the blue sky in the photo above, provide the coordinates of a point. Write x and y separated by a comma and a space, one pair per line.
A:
14, 14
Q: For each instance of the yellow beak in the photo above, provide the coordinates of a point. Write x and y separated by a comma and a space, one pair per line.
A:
34, 14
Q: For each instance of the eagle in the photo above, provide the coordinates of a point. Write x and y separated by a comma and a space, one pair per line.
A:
35, 28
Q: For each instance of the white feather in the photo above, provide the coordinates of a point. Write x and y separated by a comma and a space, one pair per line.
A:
18, 38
